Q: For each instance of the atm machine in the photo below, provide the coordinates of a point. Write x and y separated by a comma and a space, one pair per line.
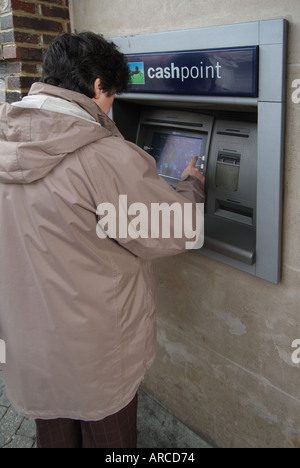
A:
224, 103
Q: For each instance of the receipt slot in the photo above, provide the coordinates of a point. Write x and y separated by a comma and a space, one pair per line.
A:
218, 93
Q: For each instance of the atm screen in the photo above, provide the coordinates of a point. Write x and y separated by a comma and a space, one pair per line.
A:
174, 152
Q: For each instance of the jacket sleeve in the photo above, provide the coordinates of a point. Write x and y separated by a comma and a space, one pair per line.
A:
191, 188
138, 209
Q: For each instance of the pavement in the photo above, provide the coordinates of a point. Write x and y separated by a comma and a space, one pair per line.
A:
15, 430
157, 427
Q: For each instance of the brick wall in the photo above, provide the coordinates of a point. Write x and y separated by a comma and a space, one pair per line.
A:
26, 29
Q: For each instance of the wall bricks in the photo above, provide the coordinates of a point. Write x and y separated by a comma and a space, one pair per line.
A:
19, 5
33, 23
27, 27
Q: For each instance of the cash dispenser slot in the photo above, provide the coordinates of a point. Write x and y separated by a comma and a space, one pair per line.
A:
235, 212
230, 238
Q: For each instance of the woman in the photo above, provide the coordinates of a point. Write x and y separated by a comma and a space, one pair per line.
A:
77, 311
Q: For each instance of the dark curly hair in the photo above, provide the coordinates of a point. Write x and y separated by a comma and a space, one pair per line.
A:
75, 61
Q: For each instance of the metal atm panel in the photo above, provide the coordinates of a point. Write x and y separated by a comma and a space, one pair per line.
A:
227, 156
230, 223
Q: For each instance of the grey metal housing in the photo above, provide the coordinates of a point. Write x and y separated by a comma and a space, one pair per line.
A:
268, 110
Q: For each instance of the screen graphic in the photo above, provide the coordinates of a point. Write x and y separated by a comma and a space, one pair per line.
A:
174, 152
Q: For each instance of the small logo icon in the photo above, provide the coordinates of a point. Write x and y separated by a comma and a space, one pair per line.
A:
137, 73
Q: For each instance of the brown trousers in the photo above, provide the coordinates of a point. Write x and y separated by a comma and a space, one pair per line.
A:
116, 431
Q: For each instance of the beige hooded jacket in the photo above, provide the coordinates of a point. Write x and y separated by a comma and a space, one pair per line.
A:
77, 313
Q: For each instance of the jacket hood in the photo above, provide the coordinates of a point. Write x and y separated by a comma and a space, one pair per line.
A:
37, 133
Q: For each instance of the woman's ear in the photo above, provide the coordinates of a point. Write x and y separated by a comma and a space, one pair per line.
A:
97, 88
101, 98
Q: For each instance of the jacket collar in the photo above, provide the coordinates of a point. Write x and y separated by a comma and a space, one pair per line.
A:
77, 98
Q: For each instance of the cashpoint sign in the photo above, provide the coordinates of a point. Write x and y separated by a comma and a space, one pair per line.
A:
217, 72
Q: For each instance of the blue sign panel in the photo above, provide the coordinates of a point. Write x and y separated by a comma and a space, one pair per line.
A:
218, 72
